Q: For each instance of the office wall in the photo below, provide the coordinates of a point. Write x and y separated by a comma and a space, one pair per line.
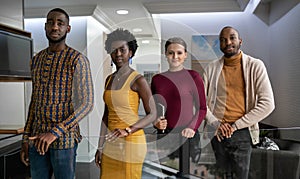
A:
11, 13
12, 106
252, 30
285, 64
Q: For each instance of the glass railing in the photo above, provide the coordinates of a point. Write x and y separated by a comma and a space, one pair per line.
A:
277, 156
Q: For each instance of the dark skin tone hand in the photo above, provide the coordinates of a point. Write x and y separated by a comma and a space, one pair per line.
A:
41, 142
98, 157
112, 136
224, 130
24, 153
116, 133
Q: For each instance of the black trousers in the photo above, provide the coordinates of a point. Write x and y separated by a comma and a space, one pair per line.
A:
194, 143
233, 154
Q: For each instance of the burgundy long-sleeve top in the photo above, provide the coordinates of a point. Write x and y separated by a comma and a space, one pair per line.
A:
182, 94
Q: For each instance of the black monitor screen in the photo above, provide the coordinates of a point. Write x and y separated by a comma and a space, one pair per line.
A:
16, 52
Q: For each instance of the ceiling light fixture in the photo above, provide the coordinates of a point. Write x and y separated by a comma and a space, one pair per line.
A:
122, 11
145, 41
137, 30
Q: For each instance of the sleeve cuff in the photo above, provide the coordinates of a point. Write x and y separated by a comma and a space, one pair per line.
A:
25, 138
234, 126
57, 131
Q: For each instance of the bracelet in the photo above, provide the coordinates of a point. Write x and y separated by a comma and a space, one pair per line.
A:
100, 148
128, 130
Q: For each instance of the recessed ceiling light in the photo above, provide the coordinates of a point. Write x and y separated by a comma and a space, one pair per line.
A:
122, 11
145, 41
137, 30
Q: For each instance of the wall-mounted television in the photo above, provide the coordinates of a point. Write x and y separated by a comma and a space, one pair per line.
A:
15, 54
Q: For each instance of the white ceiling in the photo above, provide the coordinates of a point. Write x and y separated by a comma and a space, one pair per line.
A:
140, 11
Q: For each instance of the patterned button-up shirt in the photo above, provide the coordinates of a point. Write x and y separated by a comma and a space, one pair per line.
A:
62, 94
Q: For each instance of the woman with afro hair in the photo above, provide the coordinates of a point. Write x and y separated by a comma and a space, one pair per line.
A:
122, 145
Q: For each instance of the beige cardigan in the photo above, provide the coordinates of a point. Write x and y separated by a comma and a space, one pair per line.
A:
259, 95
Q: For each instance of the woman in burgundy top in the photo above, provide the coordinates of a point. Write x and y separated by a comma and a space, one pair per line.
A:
181, 92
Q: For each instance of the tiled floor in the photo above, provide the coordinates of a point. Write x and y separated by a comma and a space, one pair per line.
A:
87, 171
91, 171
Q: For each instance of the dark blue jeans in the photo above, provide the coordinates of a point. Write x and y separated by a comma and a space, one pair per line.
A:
233, 154
61, 163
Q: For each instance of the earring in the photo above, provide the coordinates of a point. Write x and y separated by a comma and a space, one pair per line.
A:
130, 60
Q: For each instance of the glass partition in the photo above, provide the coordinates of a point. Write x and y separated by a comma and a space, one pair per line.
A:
276, 156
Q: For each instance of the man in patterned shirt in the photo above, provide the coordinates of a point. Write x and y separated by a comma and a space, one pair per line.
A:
62, 94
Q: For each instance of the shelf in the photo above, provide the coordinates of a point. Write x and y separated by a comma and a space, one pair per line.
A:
14, 79
11, 129
14, 30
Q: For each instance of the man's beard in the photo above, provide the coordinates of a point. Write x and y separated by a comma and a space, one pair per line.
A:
58, 40
228, 55
236, 51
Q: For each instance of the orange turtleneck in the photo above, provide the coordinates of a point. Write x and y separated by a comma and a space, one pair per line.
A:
231, 90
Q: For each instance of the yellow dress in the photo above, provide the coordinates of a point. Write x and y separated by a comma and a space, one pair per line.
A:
123, 158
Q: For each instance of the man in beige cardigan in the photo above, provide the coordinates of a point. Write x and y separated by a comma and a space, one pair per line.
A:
239, 95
